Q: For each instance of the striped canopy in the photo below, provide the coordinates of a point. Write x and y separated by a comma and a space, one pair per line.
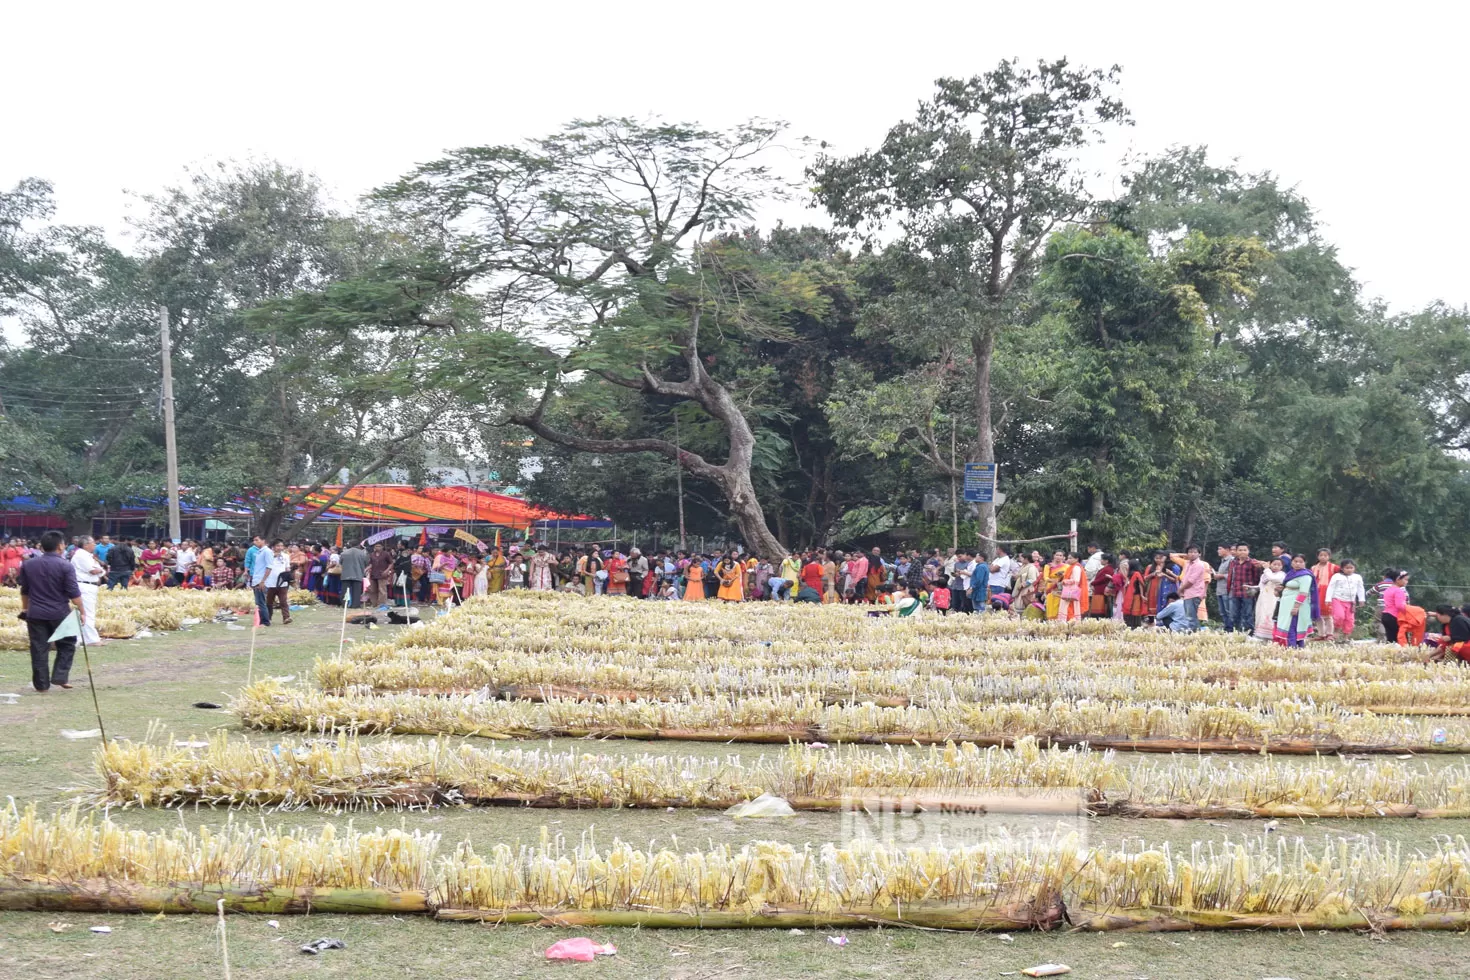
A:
393, 503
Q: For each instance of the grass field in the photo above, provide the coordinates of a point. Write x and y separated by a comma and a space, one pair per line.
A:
157, 680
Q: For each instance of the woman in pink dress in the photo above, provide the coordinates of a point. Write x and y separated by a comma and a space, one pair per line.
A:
11, 555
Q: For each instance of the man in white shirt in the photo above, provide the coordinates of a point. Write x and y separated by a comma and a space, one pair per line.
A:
184, 559
964, 567
1094, 561
1002, 570
91, 573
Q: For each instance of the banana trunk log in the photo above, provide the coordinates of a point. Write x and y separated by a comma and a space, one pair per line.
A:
104, 895
1002, 918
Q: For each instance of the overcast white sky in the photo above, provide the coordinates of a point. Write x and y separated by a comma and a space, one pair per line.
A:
1362, 107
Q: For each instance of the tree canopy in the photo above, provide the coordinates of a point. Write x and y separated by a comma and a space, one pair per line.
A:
599, 314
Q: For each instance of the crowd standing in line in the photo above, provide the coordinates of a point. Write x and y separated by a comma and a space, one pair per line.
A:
1282, 599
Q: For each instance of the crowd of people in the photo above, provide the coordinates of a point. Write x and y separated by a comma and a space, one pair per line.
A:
1286, 598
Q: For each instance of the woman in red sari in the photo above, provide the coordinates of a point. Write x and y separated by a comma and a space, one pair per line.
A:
1161, 581
152, 561
617, 574
1135, 597
12, 553
1104, 590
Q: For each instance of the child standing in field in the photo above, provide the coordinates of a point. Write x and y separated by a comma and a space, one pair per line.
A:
1344, 592
939, 598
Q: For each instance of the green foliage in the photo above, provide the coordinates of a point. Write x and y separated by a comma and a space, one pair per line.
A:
1188, 362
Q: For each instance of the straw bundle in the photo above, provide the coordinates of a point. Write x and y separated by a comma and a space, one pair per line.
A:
82, 865
568, 672
79, 864
122, 613
1287, 726
327, 773
350, 773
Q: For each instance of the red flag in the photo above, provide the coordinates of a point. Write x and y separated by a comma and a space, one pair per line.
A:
423, 537
339, 535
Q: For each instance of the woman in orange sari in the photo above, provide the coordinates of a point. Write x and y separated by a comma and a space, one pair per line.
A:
1072, 590
731, 573
299, 559
694, 585
1161, 582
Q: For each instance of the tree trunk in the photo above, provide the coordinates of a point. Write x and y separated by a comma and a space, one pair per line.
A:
1190, 515
983, 347
270, 521
78, 524
1099, 498
732, 477
749, 517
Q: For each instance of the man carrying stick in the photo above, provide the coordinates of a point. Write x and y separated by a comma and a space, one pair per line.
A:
48, 588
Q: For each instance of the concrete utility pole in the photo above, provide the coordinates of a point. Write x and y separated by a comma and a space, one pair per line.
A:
954, 494
170, 447
679, 482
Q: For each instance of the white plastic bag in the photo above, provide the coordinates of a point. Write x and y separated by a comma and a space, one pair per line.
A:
764, 805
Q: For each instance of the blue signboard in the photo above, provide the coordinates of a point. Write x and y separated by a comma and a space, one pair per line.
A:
979, 483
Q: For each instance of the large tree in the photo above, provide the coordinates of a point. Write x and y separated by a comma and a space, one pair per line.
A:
782, 380
79, 398
1134, 381
975, 183
1349, 430
290, 369
586, 244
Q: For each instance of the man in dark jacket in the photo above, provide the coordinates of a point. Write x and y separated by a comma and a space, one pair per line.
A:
403, 573
354, 569
121, 561
48, 593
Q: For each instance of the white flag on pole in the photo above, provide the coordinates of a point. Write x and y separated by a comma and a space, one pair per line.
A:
70, 628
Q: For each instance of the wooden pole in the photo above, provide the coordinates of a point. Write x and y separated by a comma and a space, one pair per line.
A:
91, 683
255, 628
170, 446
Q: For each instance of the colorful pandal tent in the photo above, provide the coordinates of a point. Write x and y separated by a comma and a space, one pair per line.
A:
392, 503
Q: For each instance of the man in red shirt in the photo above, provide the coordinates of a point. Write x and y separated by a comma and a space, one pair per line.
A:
1244, 575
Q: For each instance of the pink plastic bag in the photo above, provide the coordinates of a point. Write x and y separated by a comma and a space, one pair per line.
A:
581, 949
